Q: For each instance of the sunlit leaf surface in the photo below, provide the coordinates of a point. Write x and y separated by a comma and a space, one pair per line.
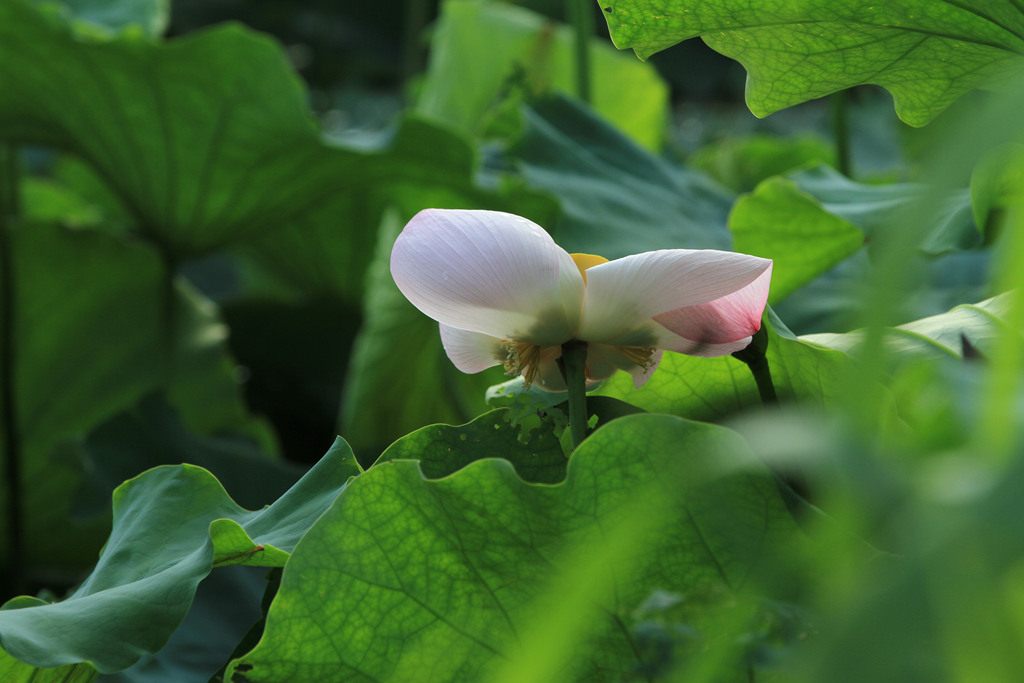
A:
403, 567
925, 52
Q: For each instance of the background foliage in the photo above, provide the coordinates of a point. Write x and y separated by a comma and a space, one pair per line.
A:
197, 206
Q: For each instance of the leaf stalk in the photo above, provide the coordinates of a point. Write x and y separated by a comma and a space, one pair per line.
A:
10, 209
840, 115
581, 15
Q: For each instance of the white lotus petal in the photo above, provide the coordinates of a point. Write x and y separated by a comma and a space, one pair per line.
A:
549, 376
489, 272
603, 361
732, 317
641, 375
623, 295
471, 352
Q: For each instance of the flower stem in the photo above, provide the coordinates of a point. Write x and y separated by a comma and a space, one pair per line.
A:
12, 445
417, 16
756, 359
168, 318
581, 14
573, 366
840, 115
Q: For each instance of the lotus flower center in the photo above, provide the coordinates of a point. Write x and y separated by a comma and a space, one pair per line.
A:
584, 261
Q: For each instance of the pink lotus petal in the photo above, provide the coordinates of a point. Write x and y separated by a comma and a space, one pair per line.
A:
730, 318
489, 272
471, 352
623, 295
701, 349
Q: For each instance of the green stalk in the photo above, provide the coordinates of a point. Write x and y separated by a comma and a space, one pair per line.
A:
168, 317
756, 359
417, 14
997, 425
581, 15
840, 115
9, 211
573, 366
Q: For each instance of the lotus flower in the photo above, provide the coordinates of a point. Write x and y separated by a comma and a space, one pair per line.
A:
505, 294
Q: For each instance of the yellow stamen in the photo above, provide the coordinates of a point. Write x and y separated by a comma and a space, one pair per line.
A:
639, 355
584, 261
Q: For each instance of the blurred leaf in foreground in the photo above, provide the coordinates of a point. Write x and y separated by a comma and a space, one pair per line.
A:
997, 183
947, 334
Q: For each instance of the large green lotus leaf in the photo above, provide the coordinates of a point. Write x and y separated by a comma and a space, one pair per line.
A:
925, 52
406, 578
781, 222
478, 47
617, 199
442, 449
182, 131
172, 524
87, 335
207, 139
710, 388
226, 607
